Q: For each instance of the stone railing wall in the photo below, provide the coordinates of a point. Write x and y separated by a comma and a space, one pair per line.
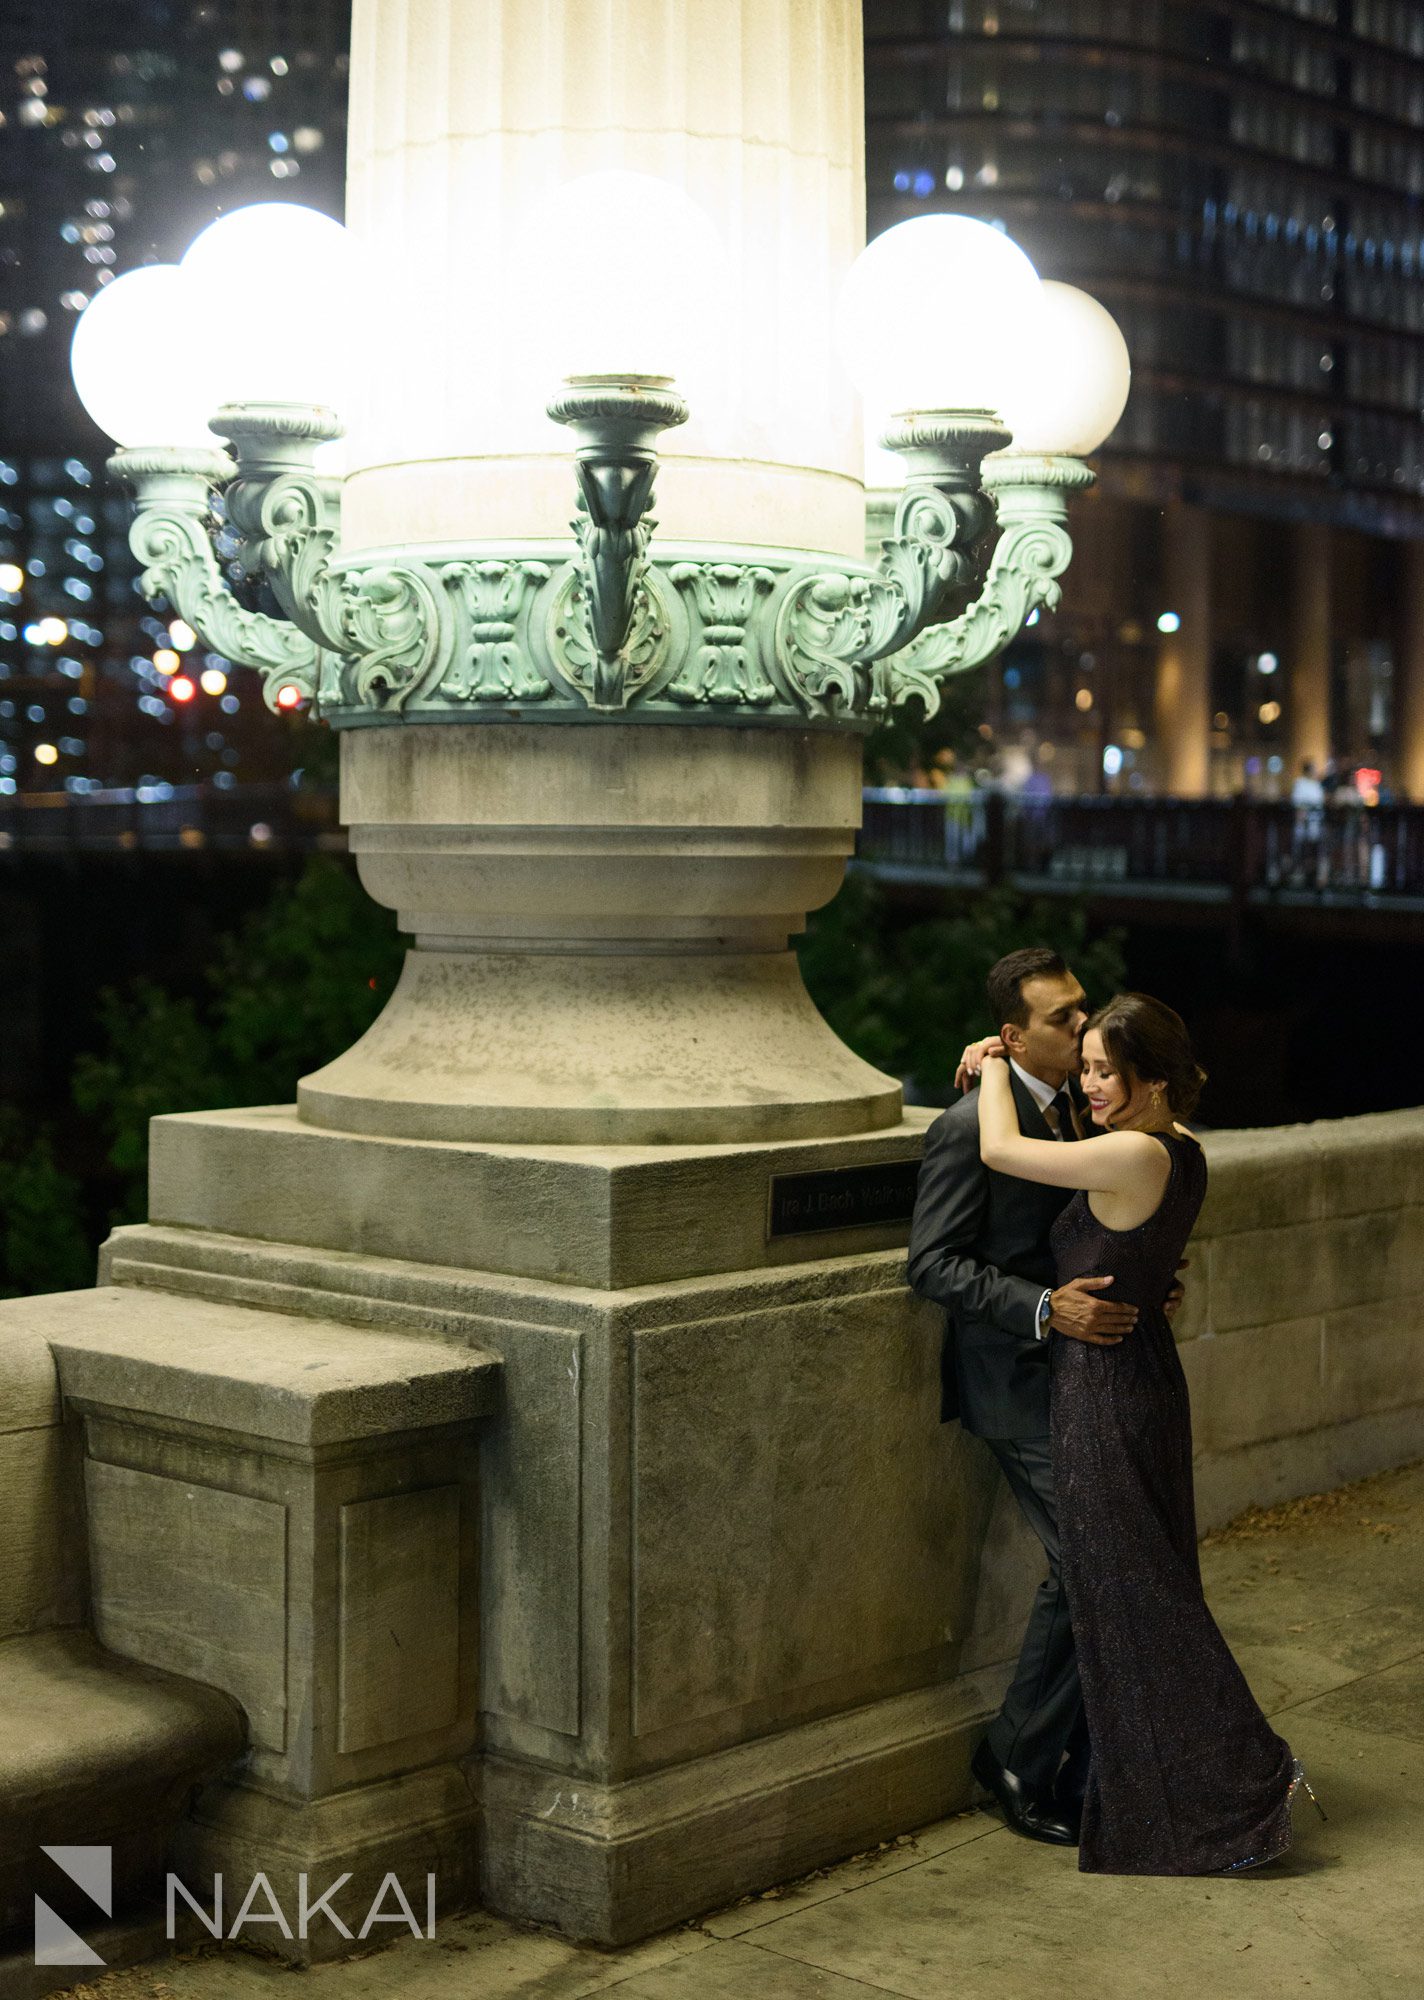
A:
41, 1506
1302, 1334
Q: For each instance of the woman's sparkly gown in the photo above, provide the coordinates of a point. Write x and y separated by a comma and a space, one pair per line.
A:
1187, 1776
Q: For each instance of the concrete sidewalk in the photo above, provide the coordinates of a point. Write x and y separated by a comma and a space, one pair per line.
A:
1323, 1600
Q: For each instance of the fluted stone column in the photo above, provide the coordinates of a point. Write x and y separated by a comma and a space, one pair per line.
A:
465, 113
1184, 656
1308, 661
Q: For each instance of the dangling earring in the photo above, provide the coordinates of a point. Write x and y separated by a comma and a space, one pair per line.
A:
1156, 1103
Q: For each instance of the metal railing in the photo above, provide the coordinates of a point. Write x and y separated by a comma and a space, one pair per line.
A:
1199, 849
167, 819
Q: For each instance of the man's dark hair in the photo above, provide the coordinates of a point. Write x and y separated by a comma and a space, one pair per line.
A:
1007, 979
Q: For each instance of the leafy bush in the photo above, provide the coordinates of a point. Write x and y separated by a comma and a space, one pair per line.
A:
44, 1243
297, 984
908, 998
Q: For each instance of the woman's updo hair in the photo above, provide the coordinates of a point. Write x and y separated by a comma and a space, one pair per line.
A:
1144, 1041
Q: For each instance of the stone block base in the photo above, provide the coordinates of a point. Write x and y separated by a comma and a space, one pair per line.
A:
608, 1864
728, 1566
420, 1829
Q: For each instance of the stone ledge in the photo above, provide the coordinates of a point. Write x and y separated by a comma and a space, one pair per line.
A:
610, 1217
1335, 1167
360, 1290
29, 1385
297, 1381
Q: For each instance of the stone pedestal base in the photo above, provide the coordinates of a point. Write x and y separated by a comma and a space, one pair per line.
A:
739, 1048
730, 1616
407, 1847
614, 1863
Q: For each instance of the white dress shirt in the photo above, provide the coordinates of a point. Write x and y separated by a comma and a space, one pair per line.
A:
1042, 1093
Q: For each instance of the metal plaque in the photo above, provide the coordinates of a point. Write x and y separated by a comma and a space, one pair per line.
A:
866, 1197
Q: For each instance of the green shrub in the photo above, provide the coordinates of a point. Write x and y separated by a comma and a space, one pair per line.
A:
298, 983
908, 997
44, 1244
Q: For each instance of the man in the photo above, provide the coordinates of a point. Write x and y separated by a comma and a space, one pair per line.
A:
979, 1247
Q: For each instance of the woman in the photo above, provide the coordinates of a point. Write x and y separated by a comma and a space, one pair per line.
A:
1187, 1776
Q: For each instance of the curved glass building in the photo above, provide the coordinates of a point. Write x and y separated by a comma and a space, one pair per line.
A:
1242, 184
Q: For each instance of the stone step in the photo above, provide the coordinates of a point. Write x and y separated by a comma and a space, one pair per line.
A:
97, 1751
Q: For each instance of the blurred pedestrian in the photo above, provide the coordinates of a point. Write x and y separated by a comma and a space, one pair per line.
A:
1308, 832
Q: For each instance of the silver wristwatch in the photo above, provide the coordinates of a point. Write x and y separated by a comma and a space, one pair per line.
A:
1042, 1325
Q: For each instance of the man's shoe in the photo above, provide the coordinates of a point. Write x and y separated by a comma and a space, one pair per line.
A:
1068, 1806
1026, 1813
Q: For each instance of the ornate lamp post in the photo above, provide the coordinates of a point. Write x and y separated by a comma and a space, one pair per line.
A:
620, 629
600, 1131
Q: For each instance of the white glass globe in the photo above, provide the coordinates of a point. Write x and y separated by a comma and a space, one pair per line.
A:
884, 470
619, 275
937, 314
141, 366
278, 288
1074, 390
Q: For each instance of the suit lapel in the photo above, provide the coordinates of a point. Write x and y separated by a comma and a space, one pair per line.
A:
1032, 1123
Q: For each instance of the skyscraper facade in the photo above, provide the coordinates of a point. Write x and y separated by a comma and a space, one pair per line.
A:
1242, 183
124, 129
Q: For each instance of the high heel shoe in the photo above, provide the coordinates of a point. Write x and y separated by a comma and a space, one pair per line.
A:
1299, 1782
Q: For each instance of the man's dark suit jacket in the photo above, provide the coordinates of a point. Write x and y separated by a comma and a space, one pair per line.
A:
979, 1247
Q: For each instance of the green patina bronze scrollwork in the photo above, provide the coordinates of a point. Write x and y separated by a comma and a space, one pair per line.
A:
1023, 573
620, 629
172, 536
724, 663
610, 634
834, 626
1033, 550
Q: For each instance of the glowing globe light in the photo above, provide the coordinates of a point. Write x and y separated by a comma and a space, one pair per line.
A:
182, 634
884, 471
937, 314
181, 688
288, 697
583, 309
12, 577
278, 289
45, 753
166, 660
52, 631
1074, 389
212, 680
142, 365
